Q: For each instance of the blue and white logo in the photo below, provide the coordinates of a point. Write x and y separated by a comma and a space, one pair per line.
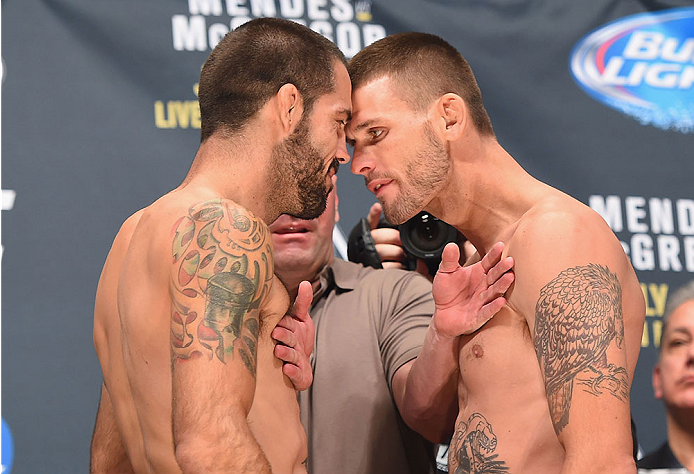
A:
7, 448
643, 66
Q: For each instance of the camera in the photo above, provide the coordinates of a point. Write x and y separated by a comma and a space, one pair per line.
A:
424, 236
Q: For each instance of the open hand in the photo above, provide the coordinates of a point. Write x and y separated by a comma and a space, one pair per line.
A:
467, 297
295, 335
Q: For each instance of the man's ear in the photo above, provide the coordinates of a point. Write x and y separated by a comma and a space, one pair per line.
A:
451, 115
657, 384
289, 107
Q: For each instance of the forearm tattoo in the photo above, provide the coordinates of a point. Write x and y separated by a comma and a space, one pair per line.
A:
577, 317
472, 448
211, 250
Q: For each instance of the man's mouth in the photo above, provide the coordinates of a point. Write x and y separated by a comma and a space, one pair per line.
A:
291, 230
377, 184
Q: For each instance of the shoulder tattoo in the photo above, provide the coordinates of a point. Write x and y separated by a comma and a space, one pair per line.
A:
577, 317
222, 257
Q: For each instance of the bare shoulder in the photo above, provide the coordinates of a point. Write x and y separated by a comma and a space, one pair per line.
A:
116, 255
564, 229
558, 221
221, 250
563, 238
223, 233
125, 234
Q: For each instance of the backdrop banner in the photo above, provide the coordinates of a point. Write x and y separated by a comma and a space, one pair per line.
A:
100, 117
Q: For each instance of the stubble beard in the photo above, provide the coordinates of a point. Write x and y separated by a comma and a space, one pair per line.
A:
297, 182
425, 171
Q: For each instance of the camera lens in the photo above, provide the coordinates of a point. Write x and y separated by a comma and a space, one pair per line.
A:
425, 233
425, 236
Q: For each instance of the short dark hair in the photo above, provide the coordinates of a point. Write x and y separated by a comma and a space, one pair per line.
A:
424, 67
251, 63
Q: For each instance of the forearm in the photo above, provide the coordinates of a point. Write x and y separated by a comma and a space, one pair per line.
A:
429, 404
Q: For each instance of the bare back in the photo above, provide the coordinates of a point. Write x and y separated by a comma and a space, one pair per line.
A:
548, 378
184, 310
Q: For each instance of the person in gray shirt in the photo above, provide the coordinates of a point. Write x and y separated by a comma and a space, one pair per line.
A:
370, 326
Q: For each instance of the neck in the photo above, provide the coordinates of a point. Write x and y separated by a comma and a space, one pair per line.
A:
221, 169
291, 279
680, 433
487, 193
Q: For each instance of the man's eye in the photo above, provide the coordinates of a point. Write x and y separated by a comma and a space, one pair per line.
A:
375, 133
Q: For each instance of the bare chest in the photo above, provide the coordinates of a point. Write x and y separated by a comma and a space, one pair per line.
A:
497, 358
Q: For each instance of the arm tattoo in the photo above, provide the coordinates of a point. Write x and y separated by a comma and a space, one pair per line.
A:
472, 448
211, 251
577, 317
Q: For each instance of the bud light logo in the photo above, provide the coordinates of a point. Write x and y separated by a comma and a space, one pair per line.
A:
7, 453
643, 66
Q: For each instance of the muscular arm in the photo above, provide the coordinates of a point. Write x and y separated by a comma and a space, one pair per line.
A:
107, 454
425, 389
577, 327
222, 266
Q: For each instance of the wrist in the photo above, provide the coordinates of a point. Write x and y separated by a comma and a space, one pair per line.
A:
440, 335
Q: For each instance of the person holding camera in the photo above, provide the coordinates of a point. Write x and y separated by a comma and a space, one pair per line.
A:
555, 364
370, 326
421, 245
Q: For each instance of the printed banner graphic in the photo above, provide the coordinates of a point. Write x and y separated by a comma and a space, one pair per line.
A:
643, 66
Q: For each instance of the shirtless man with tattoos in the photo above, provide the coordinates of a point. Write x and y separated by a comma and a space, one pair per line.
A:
187, 299
543, 387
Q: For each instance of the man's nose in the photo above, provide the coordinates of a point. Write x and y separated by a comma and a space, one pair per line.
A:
362, 163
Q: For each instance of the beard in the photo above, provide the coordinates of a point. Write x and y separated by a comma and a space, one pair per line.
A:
425, 170
297, 179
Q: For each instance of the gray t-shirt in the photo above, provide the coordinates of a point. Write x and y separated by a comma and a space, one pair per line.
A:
368, 324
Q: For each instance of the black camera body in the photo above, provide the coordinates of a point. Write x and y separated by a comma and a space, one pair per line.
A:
424, 236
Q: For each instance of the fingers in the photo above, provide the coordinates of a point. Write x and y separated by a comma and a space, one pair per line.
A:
499, 269
302, 302
301, 379
374, 215
498, 288
391, 253
386, 235
388, 245
293, 372
287, 354
284, 336
295, 367
490, 309
449, 258
493, 256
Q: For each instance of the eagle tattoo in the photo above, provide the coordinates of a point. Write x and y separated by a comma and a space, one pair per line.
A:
578, 315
